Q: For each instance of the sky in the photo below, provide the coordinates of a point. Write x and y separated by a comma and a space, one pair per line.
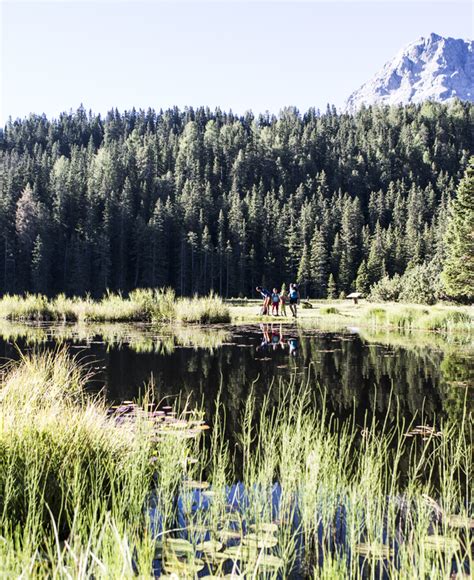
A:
258, 55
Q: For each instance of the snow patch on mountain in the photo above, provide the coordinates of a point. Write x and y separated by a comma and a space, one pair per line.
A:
433, 68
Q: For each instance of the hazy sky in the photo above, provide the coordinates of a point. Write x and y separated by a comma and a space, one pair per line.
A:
239, 55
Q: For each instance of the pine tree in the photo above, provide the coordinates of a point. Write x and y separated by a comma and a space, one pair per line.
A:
304, 272
39, 267
458, 271
332, 288
362, 280
319, 263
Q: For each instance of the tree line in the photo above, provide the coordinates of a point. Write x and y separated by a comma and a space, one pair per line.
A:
205, 200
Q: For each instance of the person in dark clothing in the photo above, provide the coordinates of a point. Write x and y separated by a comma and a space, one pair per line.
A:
294, 298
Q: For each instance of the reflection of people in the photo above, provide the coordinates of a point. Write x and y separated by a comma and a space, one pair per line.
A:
294, 298
277, 338
275, 301
265, 337
266, 295
283, 300
293, 346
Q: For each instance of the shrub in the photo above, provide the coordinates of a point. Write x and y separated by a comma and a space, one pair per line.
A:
386, 289
329, 310
420, 285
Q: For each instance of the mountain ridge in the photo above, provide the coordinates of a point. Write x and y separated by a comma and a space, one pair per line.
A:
431, 68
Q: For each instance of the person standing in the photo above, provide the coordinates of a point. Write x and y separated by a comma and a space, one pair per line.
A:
283, 301
275, 301
294, 299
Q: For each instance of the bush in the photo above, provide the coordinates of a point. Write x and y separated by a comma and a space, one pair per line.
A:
420, 285
329, 310
386, 289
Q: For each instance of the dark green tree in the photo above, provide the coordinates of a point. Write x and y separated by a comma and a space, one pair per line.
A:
458, 271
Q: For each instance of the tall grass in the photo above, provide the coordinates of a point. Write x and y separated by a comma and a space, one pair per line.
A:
420, 319
302, 493
142, 305
74, 482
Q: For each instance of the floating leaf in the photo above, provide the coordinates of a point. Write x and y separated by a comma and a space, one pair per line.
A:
190, 484
458, 521
210, 546
441, 543
179, 546
243, 553
375, 550
260, 540
267, 527
183, 568
227, 535
269, 561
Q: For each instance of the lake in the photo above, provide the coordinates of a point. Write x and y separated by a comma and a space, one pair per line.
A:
418, 374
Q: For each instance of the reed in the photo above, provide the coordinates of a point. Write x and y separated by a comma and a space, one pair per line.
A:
89, 491
142, 305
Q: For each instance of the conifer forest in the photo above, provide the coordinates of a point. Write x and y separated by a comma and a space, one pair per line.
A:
203, 200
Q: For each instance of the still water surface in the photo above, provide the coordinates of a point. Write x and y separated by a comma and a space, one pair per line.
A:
357, 373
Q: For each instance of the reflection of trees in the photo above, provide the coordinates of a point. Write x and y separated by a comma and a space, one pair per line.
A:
353, 372
457, 369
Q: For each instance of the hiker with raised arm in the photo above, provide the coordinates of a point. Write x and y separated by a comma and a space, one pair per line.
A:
266, 295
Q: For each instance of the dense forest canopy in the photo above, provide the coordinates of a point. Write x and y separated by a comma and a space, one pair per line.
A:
206, 200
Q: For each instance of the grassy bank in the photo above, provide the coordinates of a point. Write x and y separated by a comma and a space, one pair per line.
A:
340, 313
89, 492
140, 306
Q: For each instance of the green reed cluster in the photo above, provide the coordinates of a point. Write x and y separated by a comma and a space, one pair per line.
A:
141, 305
83, 494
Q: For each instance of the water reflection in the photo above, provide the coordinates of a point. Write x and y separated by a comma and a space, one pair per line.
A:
357, 372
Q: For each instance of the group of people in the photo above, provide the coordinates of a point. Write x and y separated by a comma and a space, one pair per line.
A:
277, 301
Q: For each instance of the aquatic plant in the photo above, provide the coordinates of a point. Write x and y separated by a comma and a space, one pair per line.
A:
142, 305
205, 310
94, 491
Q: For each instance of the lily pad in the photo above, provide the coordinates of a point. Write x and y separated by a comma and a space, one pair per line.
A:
260, 541
227, 535
190, 484
178, 546
441, 543
375, 550
183, 568
267, 527
209, 547
458, 521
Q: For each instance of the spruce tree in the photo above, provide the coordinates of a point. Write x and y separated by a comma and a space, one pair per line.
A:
304, 274
39, 267
362, 280
332, 288
319, 263
458, 271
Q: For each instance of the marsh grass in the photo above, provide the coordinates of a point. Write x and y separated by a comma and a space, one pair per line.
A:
84, 494
73, 481
446, 320
142, 305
